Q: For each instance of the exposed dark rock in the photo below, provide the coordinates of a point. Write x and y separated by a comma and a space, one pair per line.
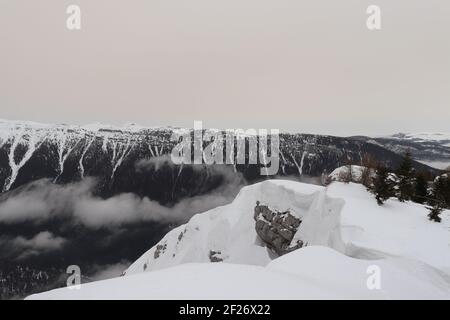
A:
180, 236
160, 249
277, 229
215, 256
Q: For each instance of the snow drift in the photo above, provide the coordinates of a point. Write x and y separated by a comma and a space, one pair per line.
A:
230, 229
346, 234
309, 273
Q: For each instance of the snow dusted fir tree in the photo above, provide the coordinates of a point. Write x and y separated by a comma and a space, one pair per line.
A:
441, 189
382, 186
440, 197
406, 176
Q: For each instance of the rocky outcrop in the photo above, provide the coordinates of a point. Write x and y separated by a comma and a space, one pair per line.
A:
277, 229
160, 249
215, 256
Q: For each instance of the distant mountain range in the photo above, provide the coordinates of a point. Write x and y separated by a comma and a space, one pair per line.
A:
132, 158
432, 149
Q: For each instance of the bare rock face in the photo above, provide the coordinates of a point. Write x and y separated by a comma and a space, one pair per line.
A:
277, 229
215, 256
160, 249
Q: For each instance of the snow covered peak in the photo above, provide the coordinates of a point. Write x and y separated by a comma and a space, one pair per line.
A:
228, 232
348, 235
344, 217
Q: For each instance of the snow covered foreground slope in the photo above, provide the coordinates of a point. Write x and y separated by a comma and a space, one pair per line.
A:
347, 234
310, 273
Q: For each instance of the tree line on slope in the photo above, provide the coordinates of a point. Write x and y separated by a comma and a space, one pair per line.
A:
407, 184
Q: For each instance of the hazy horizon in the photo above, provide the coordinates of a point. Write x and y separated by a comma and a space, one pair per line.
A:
299, 66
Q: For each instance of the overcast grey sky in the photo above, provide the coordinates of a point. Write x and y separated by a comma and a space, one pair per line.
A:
304, 66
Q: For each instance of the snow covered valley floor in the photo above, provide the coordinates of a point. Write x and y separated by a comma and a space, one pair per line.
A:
352, 249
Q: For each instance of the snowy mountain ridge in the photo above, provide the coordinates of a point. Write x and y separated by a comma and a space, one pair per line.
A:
9, 125
67, 153
25, 138
423, 137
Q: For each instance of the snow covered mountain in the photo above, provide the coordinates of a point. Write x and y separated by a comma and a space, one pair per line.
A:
346, 238
442, 138
432, 149
47, 184
118, 156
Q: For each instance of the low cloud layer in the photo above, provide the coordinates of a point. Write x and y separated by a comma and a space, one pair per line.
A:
21, 247
43, 200
50, 226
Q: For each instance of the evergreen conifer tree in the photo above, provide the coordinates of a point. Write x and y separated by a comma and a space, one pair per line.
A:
405, 173
420, 189
441, 189
382, 187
